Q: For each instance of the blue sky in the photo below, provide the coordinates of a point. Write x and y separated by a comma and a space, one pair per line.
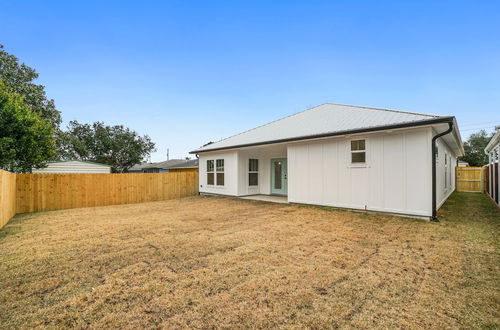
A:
187, 72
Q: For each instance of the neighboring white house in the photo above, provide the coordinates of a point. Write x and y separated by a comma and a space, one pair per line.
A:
72, 166
341, 156
493, 151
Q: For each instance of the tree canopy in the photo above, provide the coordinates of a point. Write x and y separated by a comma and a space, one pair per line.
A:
30, 134
19, 79
117, 146
26, 140
474, 148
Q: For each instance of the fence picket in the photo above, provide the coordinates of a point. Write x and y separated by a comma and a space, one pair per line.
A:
470, 179
44, 192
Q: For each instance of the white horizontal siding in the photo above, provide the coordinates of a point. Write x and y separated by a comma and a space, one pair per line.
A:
72, 167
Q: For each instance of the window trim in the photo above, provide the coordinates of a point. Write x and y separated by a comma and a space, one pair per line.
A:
445, 171
211, 172
450, 183
358, 164
250, 171
217, 171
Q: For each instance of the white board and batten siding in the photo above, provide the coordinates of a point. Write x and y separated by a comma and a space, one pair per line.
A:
230, 186
396, 177
446, 163
236, 170
264, 157
72, 166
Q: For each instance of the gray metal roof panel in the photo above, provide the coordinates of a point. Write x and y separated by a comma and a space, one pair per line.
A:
323, 119
172, 163
191, 163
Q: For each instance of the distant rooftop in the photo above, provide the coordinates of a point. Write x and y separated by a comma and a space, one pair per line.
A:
172, 163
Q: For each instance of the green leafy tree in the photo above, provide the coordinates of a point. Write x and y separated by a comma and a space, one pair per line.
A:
19, 79
117, 146
26, 140
474, 149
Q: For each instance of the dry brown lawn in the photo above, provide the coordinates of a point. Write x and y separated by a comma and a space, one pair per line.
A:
209, 262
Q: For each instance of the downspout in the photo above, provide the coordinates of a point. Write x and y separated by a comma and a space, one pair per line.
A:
198, 157
434, 195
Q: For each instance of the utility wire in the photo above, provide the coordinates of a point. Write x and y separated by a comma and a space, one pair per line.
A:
477, 128
484, 123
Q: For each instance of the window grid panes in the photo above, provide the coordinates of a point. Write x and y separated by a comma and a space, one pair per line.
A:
220, 179
210, 165
358, 151
210, 179
253, 172
253, 165
219, 167
210, 174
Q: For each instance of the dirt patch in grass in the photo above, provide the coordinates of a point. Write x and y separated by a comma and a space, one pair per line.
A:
209, 262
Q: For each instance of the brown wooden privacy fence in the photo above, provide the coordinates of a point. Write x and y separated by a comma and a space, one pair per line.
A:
470, 179
7, 196
44, 192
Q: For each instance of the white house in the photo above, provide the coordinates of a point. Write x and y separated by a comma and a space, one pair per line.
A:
72, 166
493, 151
341, 156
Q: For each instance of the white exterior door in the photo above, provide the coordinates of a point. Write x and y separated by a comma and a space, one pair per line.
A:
279, 182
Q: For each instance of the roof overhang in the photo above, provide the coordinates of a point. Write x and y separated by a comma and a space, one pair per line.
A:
453, 139
495, 139
419, 123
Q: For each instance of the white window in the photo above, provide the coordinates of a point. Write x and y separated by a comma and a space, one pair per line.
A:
449, 170
445, 171
253, 172
210, 172
219, 168
358, 151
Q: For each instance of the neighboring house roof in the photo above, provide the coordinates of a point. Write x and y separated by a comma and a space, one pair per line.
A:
138, 167
168, 164
192, 163
495, 139
328, 119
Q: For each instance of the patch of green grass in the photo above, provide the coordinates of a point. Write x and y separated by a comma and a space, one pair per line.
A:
9, 230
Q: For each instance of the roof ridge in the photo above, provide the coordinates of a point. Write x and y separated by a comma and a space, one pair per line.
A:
318, 106
269, 123
385, 109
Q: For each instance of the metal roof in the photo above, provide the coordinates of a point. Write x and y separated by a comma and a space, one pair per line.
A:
323, 120
191, 163
495, 139
172, 163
